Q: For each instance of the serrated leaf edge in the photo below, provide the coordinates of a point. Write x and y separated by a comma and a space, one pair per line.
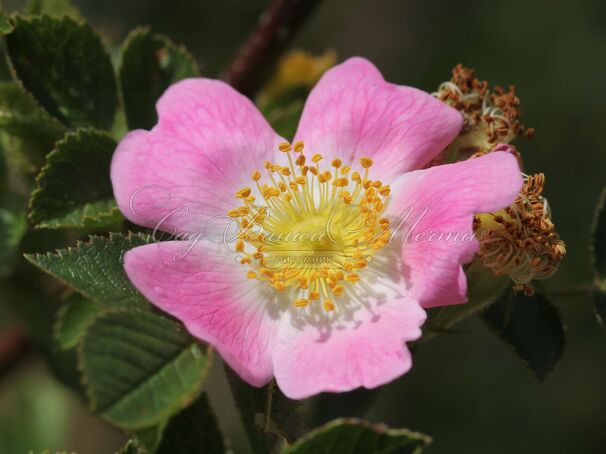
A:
67, 137
33, 258
146, 30
166, 414
141, 31
17, 80
515, 354
378, 428
80, 22
108, 215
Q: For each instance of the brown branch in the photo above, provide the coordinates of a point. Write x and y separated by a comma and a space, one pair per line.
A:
13, 348
263, 46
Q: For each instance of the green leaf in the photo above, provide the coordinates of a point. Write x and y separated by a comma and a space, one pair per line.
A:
352, 436
194, 430
95, 269
531, 327
599, 240
73, 188
5, 24
150, 64
140, 368
253, 404
66, 68
74, 317
13, 225
53, 8
28, 132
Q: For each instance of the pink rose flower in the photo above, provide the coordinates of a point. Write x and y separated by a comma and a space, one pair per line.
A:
326, 313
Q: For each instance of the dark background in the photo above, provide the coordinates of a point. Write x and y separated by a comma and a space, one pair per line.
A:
465, 390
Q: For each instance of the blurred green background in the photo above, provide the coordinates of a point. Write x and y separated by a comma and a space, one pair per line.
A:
465, 390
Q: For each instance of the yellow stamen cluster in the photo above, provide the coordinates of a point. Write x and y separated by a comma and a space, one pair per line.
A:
521, 240
317, 228
490, 116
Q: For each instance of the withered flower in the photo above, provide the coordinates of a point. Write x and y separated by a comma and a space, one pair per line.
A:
490, 116
521, 240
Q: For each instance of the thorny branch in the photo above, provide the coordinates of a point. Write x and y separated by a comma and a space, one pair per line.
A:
256, 56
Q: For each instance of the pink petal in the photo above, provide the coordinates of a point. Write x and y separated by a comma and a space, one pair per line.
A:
208, 291
365, 348
452, 195
353, 113
208, 141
